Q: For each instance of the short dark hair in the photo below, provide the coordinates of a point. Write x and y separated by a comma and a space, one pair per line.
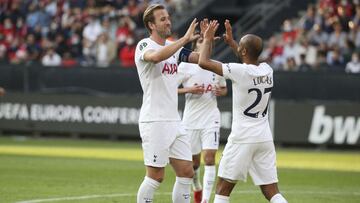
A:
149, 14
254, 47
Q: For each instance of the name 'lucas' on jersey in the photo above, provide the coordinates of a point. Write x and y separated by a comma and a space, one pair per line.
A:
263, 80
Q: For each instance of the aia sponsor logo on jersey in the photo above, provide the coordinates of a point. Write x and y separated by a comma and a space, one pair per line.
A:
207, 88
170, 68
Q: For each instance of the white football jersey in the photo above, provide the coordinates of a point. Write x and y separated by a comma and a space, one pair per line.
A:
252, 87
200, 111
159, 84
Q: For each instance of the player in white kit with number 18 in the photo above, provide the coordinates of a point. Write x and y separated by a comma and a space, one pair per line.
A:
201, 120
250, 148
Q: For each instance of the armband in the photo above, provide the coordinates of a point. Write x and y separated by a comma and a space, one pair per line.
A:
184, 55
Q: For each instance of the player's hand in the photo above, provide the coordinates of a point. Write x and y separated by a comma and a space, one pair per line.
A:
228, 36
196, 89
190, 34
204, 24
217, 91
211, 30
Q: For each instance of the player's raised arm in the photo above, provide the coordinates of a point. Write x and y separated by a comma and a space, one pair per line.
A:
169, 50
205, 50
194, 56
228, 37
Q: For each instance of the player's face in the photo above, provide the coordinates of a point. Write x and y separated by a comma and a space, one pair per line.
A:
162, 25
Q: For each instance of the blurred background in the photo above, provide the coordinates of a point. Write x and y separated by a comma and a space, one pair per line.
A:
67, 66
70, 96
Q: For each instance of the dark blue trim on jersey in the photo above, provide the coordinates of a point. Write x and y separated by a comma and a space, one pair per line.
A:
184, 55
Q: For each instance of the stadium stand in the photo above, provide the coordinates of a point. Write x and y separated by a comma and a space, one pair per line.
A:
81, 35
85, 33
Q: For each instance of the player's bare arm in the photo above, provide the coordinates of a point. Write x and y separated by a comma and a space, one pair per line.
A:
205, 50
228, 37
196, 89
169, 50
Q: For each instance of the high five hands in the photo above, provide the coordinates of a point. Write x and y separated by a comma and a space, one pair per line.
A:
211, 30
228, 36
191, 35
204, 24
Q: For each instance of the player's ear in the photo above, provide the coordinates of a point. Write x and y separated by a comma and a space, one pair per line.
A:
151, 25
243, 51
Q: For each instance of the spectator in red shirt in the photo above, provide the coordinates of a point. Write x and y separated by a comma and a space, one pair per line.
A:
127, 53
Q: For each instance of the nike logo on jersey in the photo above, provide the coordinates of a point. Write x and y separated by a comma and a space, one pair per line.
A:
169, 68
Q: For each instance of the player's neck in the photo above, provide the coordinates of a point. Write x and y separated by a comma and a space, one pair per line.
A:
249, 61
156, 38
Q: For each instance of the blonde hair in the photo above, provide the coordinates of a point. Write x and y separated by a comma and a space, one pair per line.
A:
149, 14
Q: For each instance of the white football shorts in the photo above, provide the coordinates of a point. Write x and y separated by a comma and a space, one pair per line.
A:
257, 159
164, 140
202, 139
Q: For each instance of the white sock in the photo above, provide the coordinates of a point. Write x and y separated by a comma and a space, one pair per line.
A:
221, 199
208, 181
181, 190
196, 180
278, 198
147, 190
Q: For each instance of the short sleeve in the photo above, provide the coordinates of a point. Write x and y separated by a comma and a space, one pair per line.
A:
142, 47
233, 71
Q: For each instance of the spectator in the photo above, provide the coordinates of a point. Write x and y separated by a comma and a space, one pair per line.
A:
321, 64
105, 50
354, 65
290, 64
338, 37
109, 26
127, 53
68, 61
126, 26
51, 58
317, 36
303, 66
293, 49
92, 30
90, 34
289, 33
28, 27
32, 48
309, 19
335, 60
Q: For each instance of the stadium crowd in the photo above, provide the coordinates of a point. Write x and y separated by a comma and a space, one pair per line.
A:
73, 32
99, 33
325, 38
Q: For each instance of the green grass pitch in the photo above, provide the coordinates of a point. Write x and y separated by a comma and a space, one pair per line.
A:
56, 170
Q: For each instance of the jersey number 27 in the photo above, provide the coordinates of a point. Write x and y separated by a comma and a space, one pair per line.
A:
259, 95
